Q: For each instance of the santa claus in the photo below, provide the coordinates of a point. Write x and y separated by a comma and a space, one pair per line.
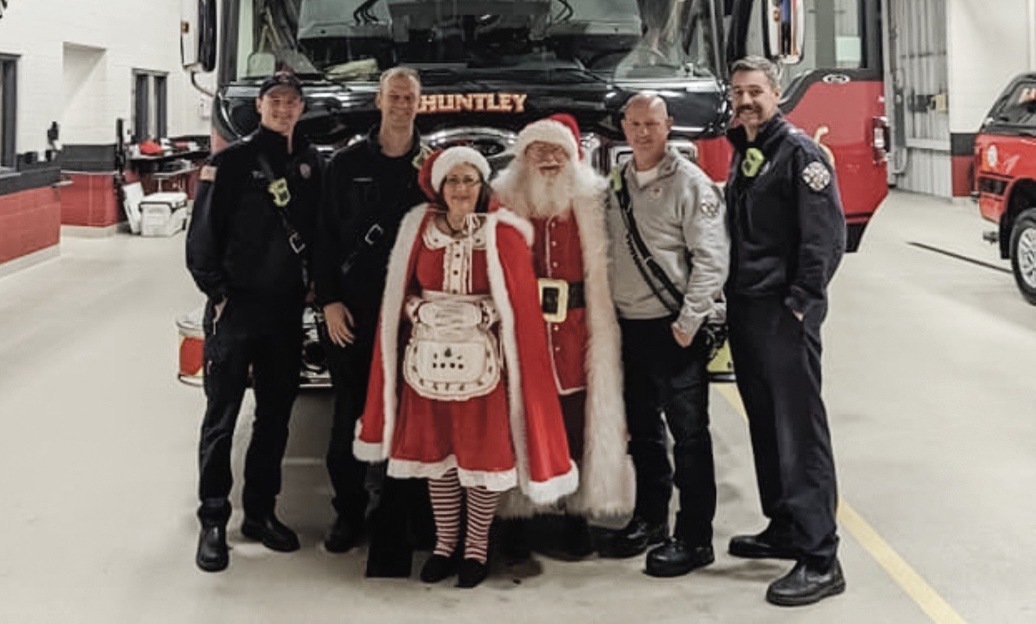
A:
563, 197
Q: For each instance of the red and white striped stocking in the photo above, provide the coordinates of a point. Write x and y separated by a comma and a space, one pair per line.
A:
445, 494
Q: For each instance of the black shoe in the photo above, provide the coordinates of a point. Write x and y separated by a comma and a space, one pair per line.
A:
471, 572
271, 532
514, 540
571, 541
765, 545
212, 553
438, 568
343, 535
633, 539
806, 584
676, 558
575, 537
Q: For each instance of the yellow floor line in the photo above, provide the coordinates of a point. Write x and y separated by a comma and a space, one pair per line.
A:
901, 572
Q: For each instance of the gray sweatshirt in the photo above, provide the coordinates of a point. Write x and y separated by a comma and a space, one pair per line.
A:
682, 219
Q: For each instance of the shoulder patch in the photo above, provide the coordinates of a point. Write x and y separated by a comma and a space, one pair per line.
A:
710, 205
208, 174
816, 176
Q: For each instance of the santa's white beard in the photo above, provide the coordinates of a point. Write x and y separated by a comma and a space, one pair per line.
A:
548, 196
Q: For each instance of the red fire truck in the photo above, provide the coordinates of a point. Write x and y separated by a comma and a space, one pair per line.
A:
488, 67
1005, 178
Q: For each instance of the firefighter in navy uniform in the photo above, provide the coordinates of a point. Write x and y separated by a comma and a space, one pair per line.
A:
370, 186
247, 251
788, 235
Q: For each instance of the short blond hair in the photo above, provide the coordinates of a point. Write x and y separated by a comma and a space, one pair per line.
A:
399, 71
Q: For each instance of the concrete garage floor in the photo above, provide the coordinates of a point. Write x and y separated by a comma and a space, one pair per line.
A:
928, 381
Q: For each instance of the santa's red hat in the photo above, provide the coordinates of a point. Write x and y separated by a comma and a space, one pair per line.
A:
559, 129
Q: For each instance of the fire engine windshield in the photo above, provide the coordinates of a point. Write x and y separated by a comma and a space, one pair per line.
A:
450, 41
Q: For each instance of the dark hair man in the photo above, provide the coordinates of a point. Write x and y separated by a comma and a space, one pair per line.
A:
669, 250
788, 235
247, 250
370, 186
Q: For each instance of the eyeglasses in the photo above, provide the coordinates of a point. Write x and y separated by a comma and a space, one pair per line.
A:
542, 150
465, 181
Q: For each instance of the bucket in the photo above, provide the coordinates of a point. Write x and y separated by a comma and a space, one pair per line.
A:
192, 347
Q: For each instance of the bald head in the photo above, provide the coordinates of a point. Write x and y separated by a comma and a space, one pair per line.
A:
646, 124
646, 100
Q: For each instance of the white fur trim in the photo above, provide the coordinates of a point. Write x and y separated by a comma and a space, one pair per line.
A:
548, 131
523, 225
371, 452
458, 155
391, 308
545, 492
607, 486
498, 288
494, 481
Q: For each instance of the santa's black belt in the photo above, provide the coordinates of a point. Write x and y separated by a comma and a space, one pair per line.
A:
557, 297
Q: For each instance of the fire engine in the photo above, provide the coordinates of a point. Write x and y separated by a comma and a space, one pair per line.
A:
1005, 178
488, 67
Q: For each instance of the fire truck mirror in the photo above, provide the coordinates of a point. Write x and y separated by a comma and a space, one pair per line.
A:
785, 30
198, 35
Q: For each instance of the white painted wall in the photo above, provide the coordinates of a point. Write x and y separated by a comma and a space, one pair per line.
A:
122, 35
989, 42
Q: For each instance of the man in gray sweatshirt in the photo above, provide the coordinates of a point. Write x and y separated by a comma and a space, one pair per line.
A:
669, 260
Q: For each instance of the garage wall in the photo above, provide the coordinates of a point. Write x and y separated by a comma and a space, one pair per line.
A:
947, 60
991, 42
76, 66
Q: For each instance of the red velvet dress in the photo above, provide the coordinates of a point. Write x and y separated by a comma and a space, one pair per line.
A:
514, 435
433, 436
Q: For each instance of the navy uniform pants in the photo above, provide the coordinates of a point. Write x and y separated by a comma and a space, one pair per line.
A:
777, 364
247, 337
350, 371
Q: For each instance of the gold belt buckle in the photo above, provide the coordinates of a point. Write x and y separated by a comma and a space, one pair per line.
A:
553, 299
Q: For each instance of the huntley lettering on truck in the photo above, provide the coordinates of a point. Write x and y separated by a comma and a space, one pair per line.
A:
472, 102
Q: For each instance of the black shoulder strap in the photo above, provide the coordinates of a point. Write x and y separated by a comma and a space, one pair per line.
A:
670, 296
281, 199
376, 231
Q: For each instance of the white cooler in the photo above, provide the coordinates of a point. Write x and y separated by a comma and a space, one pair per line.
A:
163, 214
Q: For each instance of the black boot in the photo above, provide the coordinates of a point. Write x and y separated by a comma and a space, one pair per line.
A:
770, 544
344, 534
471, 573
576, 537
438, 568
677, 557
570, 540
514, 540
633, 539
212, 555
806, 584
389, 550
271, 532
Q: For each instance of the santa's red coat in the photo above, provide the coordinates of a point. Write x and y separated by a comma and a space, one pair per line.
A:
557, 254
